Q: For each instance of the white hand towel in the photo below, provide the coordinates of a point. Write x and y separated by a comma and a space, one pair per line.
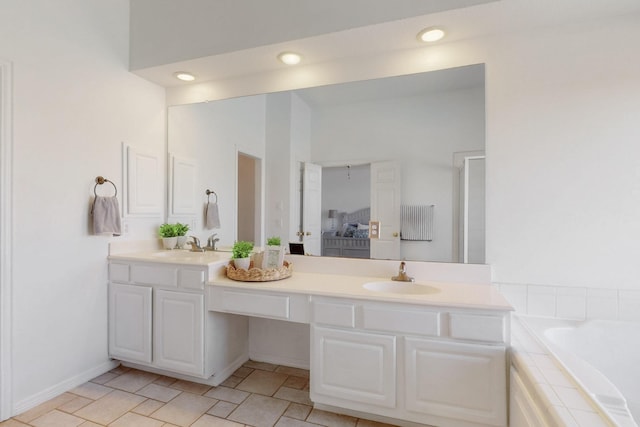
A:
106, 216
212, 217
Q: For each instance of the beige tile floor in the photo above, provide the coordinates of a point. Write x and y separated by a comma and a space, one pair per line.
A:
258, 394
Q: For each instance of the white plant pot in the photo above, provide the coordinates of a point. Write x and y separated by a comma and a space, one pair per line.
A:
169, 242
182, 240
242, 263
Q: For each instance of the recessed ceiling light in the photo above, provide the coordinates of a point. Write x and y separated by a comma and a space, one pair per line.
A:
431, 34
290, 58
184, 76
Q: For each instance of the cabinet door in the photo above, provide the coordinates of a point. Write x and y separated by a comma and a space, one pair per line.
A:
455, 380
355, 366
178, 332
130, 322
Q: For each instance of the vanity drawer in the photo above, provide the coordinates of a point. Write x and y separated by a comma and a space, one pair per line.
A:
154, 275
477, 327
334, 314
402, 320
191, 278
119, 272
252, 304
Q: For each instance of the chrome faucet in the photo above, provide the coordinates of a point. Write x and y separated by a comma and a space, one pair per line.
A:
402, 274
211, 243
195, 245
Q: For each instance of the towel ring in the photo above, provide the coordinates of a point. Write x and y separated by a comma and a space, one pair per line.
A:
101, 180
209, 192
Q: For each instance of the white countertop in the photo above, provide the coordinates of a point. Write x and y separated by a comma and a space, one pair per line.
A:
347, 283
177, 256
460, 295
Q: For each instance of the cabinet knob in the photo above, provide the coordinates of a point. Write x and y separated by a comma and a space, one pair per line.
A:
395, 234
308, 233
299, 233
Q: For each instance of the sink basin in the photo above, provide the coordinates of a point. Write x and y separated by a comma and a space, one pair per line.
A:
393, 287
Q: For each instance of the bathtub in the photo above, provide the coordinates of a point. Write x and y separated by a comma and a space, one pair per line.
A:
602, 357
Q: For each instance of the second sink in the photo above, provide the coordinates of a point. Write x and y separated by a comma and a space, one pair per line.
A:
394, 287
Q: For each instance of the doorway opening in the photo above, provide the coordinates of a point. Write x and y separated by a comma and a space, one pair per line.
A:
249, 212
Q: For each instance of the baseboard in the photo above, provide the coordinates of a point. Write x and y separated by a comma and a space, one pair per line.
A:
62, 387
214, 380
279, 360
221, 376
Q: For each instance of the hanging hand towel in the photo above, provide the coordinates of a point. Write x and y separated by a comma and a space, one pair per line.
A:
106, 216
212, 217
416, 222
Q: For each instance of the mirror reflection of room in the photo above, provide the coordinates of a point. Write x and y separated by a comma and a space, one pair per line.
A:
426, 123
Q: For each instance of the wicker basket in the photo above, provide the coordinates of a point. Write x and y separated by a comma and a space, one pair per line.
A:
258, 274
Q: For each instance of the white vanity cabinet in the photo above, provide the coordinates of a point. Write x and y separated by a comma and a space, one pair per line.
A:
429, 365
356, 366
158, 320
178, 338
455, 380
130, 322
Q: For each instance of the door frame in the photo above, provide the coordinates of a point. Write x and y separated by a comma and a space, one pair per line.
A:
458, 208
6, 234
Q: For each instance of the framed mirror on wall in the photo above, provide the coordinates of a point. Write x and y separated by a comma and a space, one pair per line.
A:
419, 121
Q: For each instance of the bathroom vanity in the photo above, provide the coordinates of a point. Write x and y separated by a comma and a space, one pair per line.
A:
158, 320
431, 353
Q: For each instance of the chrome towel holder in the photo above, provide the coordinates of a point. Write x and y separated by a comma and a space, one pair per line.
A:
101, 180
210, 192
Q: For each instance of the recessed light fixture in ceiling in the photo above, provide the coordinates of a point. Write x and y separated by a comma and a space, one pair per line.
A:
184, 76
290, 58
431, 34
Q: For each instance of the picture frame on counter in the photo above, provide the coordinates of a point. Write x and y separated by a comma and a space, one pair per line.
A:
273, 257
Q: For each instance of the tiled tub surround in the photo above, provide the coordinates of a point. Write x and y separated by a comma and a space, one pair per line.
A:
396, 338
257, 394
577, 303
547, 376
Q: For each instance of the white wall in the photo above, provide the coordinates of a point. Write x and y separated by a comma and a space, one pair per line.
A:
211, 134
300, 152
563, 204
74, 104
563, 175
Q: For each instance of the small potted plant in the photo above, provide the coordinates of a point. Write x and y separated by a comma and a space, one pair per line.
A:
169, 235
240, 253
273, 241
181, 232
273, 256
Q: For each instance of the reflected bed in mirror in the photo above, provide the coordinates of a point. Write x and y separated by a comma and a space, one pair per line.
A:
431, 125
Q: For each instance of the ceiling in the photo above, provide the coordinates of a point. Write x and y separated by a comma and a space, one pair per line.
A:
222, 39
166, 31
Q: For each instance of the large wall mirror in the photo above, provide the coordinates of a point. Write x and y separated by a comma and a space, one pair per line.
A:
317, 164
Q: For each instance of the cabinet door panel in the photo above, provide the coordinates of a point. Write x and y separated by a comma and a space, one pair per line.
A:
130, 322
454, 380
355, 366
179, 331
